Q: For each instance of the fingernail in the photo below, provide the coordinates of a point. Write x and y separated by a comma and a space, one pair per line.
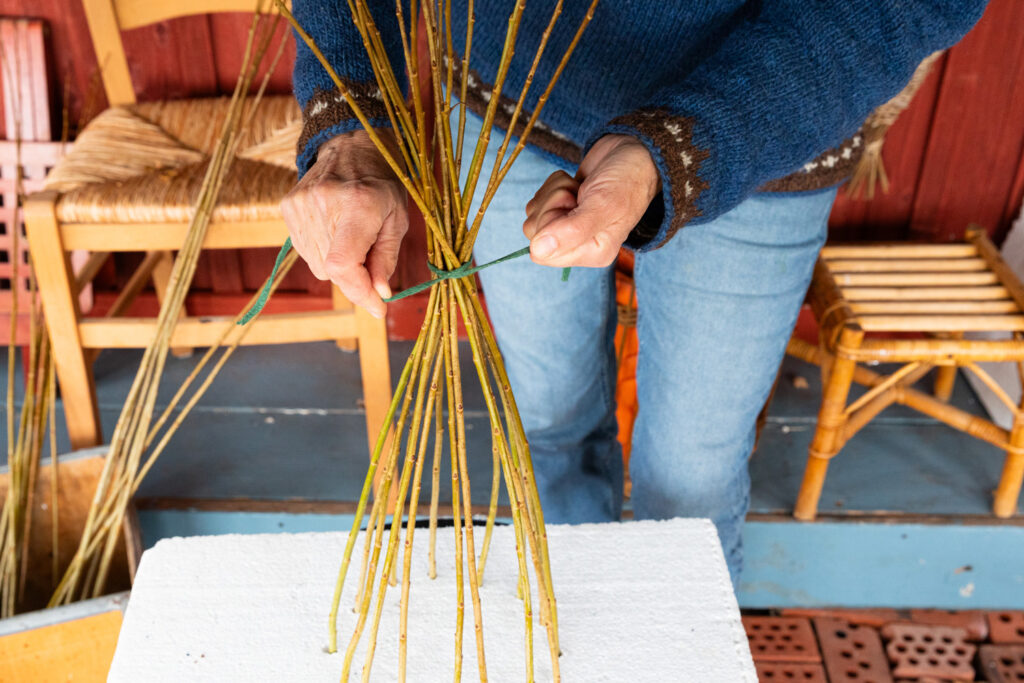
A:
544, 246
376, 314
383, 290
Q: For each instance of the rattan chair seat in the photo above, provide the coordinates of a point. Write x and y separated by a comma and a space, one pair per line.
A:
145, 163
921, 288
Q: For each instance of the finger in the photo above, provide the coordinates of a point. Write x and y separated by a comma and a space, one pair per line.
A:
565, 233
558, 196
557, 204
353, 279
599, 251
382, 259
556, 179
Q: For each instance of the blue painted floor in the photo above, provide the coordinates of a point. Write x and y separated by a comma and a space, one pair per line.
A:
286, 424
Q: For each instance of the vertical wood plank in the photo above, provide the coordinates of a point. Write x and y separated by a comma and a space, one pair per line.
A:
887, 215
977, 136
172, 59
228, 32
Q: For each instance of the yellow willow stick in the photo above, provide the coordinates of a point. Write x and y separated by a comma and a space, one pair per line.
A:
371, 523
492, 107
217, 345
492, 511
436, 488
419, 199
382, 437
496, 179
500, 154
178, 288
205, 384
392, 98
537, 537
181, 276
442, 127
410, 525
153, 359
382, 500
463, 464
447, 314
54, 485
403, 490
371, 573
429, 353
471, 19
423, 148
520, 511
33, 449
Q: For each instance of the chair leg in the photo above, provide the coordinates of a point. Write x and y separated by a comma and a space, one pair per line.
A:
340, 303
945, 378
375, 367
827, 437
162, 276
1008, 490
56, 282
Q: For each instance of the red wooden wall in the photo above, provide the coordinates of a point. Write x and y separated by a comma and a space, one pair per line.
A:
955, 157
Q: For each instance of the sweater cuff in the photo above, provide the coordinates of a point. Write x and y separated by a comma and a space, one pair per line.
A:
669, 139
327, 114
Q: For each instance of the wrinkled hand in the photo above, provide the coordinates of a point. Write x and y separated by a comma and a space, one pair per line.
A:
347, 217
583, 221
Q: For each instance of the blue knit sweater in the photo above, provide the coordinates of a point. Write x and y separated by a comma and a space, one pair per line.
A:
730, 97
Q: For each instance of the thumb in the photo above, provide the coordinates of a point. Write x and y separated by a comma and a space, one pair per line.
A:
574, 228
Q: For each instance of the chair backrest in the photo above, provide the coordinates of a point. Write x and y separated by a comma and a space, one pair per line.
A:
107, 18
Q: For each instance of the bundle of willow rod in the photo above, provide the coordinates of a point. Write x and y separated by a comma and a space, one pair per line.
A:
138, 440
431, 381
26, 437
36, 422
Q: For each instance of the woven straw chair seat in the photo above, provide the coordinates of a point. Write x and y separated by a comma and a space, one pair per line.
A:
145, 163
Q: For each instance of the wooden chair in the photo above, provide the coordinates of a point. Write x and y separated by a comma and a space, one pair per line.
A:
911, 305
128, 186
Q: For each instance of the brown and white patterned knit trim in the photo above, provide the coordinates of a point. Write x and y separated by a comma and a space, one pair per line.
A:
329, 108
829, 168
478, 95
673, 136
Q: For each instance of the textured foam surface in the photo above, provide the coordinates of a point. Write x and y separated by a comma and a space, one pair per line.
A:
640, 601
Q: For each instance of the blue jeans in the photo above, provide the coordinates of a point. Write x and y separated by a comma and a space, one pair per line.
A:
716, 307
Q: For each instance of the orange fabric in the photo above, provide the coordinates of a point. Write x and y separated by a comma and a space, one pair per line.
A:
626, 346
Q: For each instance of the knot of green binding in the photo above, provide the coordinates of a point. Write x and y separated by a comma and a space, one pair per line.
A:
465, 270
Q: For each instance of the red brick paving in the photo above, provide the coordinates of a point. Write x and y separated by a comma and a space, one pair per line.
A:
781, 639
850, 649
787, 672
1006, 627
866, 617
920, 650
972, 621
1002, 663
852, 652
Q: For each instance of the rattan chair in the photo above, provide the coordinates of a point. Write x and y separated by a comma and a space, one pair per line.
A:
128, 186
910, 304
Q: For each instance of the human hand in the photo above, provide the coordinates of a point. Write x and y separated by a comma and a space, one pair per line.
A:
583, 221
347, 217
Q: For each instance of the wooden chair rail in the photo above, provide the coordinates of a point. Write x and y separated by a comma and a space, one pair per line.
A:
126, 333
169, 236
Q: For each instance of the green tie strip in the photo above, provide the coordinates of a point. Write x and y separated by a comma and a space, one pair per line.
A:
465, 270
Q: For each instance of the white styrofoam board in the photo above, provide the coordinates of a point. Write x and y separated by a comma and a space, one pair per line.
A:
638, 601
